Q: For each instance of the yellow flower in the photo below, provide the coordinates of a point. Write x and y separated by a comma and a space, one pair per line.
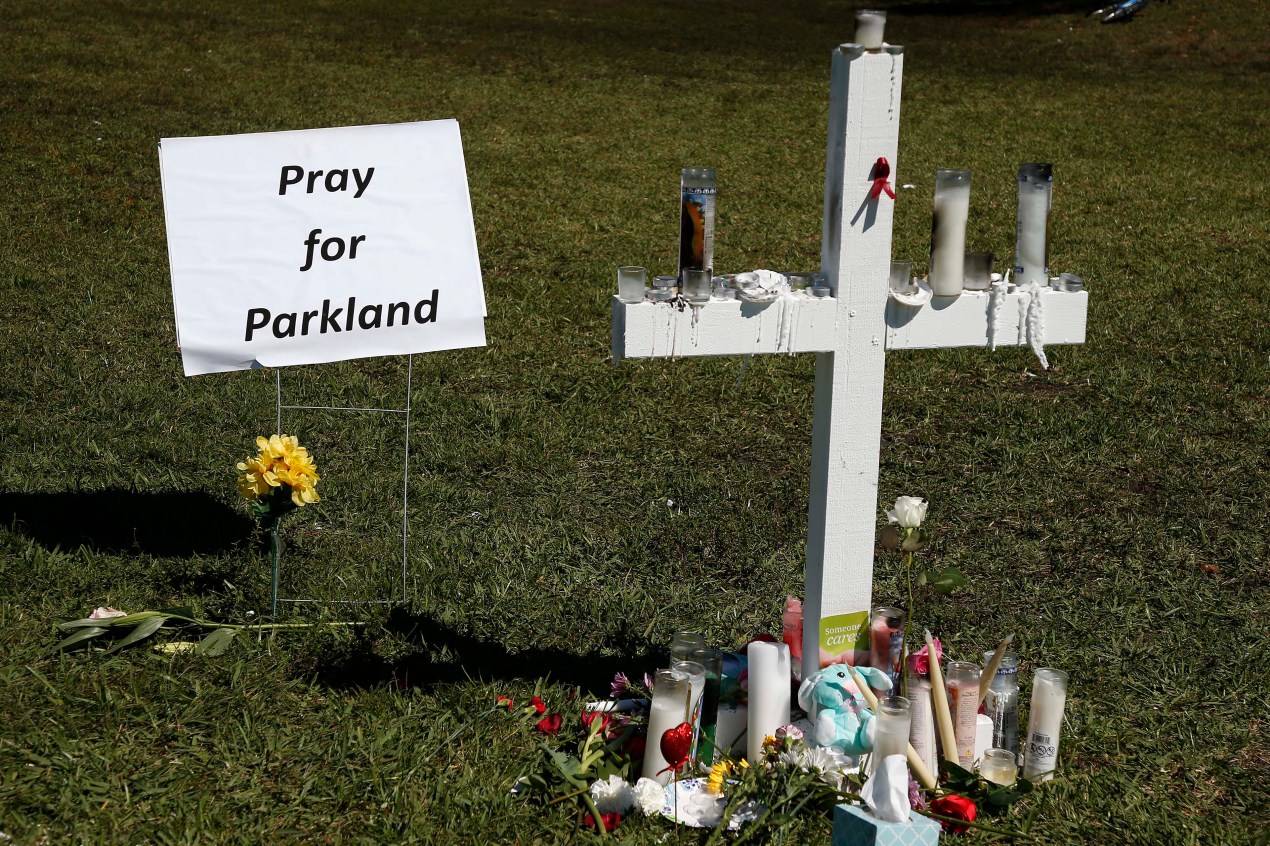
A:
281, 461
302, 494
257, 478
718, 777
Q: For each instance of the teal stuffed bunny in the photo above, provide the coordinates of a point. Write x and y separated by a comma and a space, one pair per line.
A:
836, 708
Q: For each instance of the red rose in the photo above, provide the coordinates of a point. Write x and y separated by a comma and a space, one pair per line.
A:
588, 717
610, 820
956, 807
538, 704
550, 724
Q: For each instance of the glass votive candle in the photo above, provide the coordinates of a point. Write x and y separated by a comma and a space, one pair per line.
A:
895, 715
671, 282
631, 282
870, 25
902, 277
999, 766
660, 295
1068, 282
799, 281
978, 272
712, 660
683, 644
696, 285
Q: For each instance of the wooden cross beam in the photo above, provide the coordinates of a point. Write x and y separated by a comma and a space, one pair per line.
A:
850, 333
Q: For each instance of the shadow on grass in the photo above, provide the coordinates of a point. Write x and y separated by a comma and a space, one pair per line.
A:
446, 656
171, 524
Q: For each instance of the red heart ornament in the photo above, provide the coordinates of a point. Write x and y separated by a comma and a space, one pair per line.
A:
676, 743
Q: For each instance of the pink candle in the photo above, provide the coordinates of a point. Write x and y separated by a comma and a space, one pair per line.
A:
963, 703
886, 638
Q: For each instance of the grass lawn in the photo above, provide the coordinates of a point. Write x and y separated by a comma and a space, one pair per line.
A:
567, 514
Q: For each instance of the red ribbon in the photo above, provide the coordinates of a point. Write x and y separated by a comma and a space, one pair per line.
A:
881, 179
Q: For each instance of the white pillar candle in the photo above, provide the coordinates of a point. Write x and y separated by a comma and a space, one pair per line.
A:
769, 694
921, 733
948, 232
963, 702
870, 24
1045, 723
1031, 251
669, 708
983, 735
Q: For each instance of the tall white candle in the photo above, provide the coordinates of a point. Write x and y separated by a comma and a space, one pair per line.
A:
921, 733
1045, 723
948, 232
770, 680
669, 708
870, 24
1031, 251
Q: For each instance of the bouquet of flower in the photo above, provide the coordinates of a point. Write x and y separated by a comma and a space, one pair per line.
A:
281, 477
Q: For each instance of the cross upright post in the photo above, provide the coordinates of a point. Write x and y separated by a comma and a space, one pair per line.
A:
850, 333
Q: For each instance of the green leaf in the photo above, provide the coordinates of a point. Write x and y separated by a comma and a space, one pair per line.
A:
86, 622
947, 580
921, 578
110, 622
957, 778
141, 632
79, 637
216, 643
890, 537
914, 540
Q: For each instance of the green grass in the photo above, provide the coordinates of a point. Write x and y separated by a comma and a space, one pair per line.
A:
1084, 503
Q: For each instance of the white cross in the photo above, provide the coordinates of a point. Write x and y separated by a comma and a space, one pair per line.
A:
850, 333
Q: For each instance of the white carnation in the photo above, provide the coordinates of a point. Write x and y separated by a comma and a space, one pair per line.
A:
649, 796
612, 795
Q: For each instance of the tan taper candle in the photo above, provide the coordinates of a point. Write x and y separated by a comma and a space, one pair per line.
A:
939, 696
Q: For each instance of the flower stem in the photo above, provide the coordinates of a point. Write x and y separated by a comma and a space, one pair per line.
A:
908, 618
275, 547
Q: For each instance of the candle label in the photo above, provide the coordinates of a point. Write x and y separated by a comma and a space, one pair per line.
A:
696, 228
1042, 753
963, 703
844, 639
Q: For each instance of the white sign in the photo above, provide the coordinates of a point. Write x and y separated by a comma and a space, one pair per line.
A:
321, 245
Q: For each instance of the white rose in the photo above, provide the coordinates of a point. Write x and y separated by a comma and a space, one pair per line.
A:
909, 511
612, 795
649, 796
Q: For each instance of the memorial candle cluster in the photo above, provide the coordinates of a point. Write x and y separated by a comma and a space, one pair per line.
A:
988, 741
952, 269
